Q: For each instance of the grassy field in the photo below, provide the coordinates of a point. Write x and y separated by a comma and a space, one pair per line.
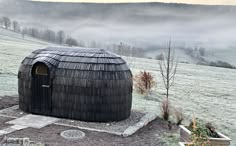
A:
208, 92
13, 49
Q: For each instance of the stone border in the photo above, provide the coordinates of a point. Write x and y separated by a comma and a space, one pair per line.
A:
143, 122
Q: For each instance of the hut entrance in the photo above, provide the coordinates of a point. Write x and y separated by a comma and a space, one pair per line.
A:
41, 91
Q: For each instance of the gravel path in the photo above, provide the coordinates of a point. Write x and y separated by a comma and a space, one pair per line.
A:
113, 127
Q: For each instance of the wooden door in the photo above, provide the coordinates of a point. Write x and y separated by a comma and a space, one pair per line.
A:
41, 90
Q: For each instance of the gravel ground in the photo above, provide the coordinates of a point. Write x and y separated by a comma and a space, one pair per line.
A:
13, 111
2, 122
8, 101
113, 127
118, 127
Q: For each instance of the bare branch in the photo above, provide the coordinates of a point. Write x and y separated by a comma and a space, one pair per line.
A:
162, 73
168, 68
173, 76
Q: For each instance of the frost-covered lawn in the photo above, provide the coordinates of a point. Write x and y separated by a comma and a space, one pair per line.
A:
207, 91
13, 49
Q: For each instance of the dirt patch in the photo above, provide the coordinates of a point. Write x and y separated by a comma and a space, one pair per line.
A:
3, 121
149, 135
13, 112
8, 101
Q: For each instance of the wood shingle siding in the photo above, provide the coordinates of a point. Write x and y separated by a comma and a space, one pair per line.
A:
81, 83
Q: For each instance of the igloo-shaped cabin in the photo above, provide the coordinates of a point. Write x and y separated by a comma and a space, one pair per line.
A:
77, 83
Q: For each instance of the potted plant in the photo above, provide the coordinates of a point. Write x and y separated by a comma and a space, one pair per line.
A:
201, 134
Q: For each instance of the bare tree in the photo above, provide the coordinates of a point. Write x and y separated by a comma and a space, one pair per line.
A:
71, 42
1, 22
16, 26
24, 32
81, 43
34, 32
60, 37
49, 35
6, 22
202, 51
168, 67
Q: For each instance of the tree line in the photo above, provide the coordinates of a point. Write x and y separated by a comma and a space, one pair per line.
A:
61, 38
58, 37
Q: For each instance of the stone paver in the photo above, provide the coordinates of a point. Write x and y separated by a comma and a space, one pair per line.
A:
11, 129
34, 121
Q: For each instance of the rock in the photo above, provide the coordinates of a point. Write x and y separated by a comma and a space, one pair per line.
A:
143, 122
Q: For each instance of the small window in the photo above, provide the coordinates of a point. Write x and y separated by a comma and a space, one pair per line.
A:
41, 69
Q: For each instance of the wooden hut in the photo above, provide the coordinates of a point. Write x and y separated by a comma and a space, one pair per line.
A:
76, 83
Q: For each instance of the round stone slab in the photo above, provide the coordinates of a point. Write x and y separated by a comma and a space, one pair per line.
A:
72, 134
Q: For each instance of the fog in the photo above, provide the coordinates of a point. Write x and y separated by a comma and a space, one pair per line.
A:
143, 25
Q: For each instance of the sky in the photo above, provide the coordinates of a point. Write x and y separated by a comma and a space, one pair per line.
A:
205, 2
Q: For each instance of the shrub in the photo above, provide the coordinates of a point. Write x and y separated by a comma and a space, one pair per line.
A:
199, 136
165, 109
179, 115
199, 133
212, 130
222, 64
144, 82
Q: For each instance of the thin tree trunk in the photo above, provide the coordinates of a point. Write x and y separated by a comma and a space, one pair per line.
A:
168, 72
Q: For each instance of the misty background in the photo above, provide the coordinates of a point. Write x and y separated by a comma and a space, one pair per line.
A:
146, 25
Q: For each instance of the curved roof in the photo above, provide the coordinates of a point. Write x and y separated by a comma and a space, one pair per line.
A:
77, 59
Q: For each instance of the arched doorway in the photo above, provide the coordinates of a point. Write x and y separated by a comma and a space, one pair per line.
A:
41, 101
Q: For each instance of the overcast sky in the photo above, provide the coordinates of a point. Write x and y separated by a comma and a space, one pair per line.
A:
206, 2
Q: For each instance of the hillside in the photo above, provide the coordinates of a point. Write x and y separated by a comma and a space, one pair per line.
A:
226, 55
198, 89
148, 25
13, 48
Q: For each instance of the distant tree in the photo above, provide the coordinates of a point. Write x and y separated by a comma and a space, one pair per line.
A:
189, 51
16, 26
6, 22
49, 35
81, 44
202, 51
71, 42
1, 22
138, 52
93, 44
126, 49
160, 57
24, 32
222, 64
34, 32
60, 37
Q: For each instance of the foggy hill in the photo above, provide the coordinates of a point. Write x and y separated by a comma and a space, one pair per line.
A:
146, 25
